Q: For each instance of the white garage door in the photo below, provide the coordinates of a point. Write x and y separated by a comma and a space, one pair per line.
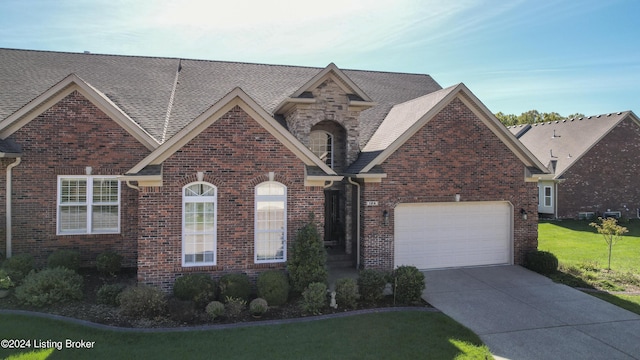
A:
441, 235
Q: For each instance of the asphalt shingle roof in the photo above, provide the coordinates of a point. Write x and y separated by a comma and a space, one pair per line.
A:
565, 141
143, 86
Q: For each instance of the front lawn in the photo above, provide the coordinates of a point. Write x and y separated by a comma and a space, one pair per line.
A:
582, 254
392, 335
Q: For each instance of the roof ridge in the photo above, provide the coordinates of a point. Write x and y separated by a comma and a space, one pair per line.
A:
88, 53
170, 105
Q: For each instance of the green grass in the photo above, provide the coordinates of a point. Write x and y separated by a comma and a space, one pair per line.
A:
394, 335
583, 253
575, 242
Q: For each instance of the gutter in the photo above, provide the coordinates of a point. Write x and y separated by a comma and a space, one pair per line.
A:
8, 211
357, 223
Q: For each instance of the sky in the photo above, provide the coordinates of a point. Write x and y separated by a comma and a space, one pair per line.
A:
564, 56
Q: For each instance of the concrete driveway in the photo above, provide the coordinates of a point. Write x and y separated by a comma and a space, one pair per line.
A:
522, 315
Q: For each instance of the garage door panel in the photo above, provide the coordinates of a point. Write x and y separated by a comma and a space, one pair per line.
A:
438, 235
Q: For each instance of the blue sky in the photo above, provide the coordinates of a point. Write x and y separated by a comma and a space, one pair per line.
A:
516, 55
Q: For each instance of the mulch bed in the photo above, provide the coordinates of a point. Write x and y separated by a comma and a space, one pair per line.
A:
179, 314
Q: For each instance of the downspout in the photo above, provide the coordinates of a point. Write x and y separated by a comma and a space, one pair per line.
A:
8, 211
357, 222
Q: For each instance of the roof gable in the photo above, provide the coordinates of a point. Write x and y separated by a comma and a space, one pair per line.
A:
62, 89
561, 144
237, 97
405, 119
357, 97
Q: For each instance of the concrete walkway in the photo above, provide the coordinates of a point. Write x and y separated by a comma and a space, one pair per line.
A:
522, 315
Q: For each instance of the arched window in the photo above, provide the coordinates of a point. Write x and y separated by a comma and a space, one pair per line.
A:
321, 144
270, 222
199, 208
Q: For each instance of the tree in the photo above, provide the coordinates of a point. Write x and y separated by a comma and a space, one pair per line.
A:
308, 259
611, 232
532, 117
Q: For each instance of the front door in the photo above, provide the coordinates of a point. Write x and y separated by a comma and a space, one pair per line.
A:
332, 230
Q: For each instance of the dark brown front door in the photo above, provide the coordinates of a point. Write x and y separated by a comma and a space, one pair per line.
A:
332, 218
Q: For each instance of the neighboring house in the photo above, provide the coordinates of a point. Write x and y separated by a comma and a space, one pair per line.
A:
204, 166
593, 162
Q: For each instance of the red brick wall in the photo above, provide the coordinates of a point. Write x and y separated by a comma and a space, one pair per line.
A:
606, 177
68, 137
455, 153
235, 154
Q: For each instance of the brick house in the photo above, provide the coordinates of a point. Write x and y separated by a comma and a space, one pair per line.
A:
203, 166
593, 162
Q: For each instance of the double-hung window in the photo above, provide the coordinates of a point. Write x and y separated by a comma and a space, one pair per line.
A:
321, 144
270, 222
88, 205
199, 207
548, 202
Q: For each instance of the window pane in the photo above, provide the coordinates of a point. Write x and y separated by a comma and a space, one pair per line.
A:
270, 215
105, 190
73, 218
199, 190
270, 246
73, 191
270, 188
105, 218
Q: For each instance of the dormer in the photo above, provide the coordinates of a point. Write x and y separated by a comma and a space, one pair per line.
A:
324, 114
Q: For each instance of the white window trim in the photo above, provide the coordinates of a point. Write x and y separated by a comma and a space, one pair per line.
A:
202, 199
550, 197
259, 198
330, 135
89, 204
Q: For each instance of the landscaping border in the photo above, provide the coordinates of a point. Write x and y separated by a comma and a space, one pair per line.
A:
214, 327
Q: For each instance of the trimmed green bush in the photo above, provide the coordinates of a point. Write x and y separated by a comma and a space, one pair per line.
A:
234, 306
109, 263
258, 306
65, 258
307, 263
215, 309
273, 286
142, 301
235, 285
108, 294
542, 262
18, 267
347, 293
409, 284
314, 298
50, 286
199, 288
371, 283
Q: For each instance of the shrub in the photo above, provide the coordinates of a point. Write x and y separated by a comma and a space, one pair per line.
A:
235, 285
142, 301
50, 286
108, 294
258, 306
69, 259
371, 283
18, 267
409, 284
234, 306
200, 288
308, 259
109, 263
215, 309
273, 286
314, 298
347, 293
542, 262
